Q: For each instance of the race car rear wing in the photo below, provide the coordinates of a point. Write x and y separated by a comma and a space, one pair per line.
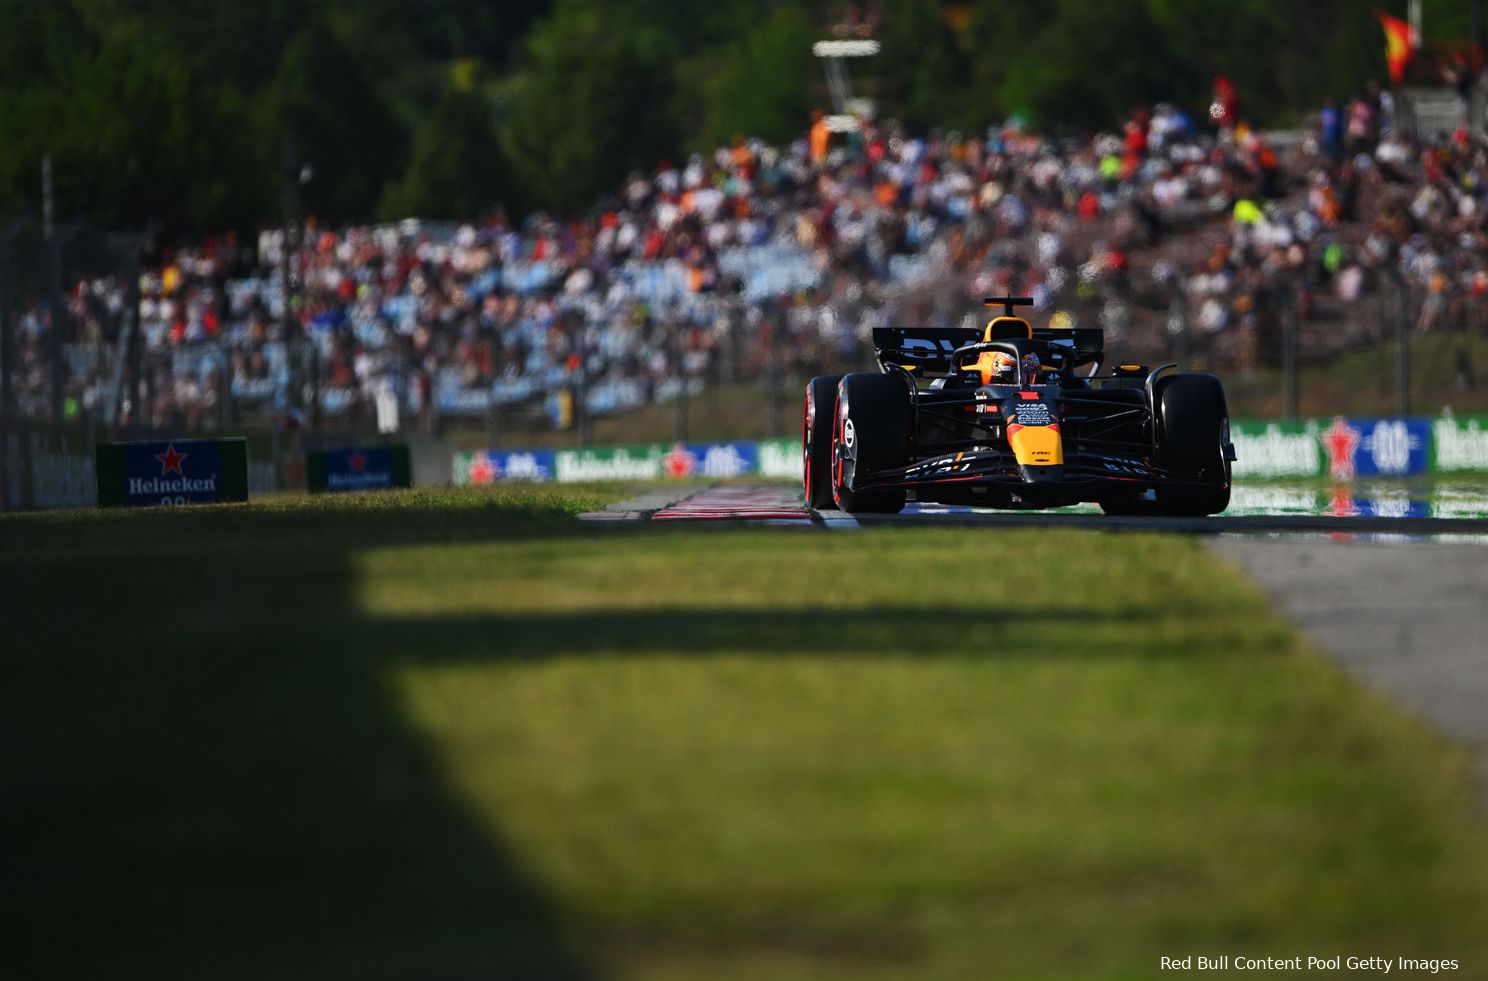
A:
927, 351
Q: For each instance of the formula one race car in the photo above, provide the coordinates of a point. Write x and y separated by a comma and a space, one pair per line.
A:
1019, 418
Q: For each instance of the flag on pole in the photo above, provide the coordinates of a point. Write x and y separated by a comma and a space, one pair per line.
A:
1400, 43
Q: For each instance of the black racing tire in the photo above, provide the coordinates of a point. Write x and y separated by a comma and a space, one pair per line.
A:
816, 442
1193, 433
870, 432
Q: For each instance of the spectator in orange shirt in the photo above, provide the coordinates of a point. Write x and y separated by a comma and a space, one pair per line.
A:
821, 137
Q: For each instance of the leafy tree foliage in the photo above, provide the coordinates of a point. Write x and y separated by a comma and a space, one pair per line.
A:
456, 168
322, 96
132, 137
757, 86
176, 110
591, 105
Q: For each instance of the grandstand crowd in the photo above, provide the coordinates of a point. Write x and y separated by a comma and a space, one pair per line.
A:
705, 270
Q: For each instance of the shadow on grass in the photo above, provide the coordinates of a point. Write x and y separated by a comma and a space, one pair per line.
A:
203, 775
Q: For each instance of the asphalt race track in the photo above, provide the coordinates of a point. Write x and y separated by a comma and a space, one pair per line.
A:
1407, 619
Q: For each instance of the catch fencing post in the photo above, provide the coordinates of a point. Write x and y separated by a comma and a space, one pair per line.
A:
1290, 351
581, 380
493, 418
314, 384
773, 326
1402, 350
7, 327
679, 368
1178, 316
54, 288
7, 357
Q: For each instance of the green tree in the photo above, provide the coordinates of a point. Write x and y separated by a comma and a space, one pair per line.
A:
926, 67
456, 168
132, 138
590, 106
322, 96
760, 85
1090, 64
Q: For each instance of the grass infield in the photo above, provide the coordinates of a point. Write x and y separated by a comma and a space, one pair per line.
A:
457, 734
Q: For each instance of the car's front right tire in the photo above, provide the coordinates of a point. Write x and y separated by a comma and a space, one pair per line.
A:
1195, 433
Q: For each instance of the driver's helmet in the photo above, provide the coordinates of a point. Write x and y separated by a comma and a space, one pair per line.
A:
1003, 369
1030, 368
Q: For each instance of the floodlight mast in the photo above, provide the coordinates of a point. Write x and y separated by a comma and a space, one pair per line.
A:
834, 55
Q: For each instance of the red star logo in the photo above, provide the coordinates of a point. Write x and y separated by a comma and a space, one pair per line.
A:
357, 462
170, 460
1340, 440
679, 462
1341, 503
482, 470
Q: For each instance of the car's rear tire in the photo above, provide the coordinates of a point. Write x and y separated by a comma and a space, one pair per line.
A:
870, 432
1193, 435
816, 442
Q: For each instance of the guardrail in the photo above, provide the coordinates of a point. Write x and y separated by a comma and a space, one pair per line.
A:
1345, 447
1340, 448
46, 466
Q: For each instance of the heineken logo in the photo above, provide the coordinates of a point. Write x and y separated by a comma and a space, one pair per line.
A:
724, 460
1341, 441
678, 462
359, 479
356, 475
482, 471
1460, 444
177, 485
196, 471
1390, 445
525, 466
487, 467
779, 458
1275, 450
170, 460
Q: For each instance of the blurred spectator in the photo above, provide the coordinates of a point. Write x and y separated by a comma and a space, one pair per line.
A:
686, 276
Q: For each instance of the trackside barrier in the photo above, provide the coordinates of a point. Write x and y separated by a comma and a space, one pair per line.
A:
647, 461
50, 466
1340, 448
170, 472
357, 468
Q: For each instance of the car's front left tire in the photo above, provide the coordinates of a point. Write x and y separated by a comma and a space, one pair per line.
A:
816, 442
870, 433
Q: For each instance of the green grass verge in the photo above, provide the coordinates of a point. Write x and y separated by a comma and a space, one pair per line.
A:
456, 735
